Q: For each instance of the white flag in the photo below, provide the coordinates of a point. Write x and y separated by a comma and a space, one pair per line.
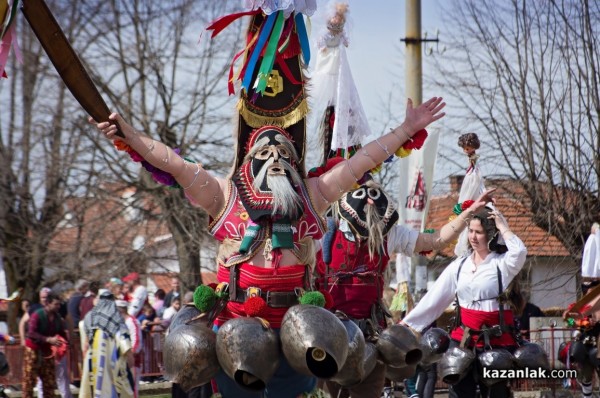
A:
416, 177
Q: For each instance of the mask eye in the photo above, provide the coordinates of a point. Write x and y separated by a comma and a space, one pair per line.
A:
374, 193
359, 194
264, 153
283, 152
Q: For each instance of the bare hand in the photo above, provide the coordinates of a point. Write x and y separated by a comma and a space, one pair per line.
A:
109, 129
423, 115
500, 221
483, 199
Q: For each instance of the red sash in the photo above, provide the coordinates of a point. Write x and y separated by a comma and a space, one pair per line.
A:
475, 320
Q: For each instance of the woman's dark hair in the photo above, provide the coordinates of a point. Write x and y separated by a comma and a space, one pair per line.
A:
491, 232
160, 294
469, 139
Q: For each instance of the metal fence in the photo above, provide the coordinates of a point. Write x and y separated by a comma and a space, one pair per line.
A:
151, 358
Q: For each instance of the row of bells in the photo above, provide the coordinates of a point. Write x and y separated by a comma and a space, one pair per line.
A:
314, 341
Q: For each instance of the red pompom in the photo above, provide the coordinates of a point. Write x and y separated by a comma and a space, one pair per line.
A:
255, 306
466, 204
328, 299
417, 140
331, 162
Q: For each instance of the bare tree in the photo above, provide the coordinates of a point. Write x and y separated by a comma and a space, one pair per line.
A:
526, 73
171, 85
148, 61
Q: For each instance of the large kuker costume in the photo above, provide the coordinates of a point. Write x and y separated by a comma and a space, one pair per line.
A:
266, 340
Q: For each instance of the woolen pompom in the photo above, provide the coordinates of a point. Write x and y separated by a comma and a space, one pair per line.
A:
313, 298
204, 298
255, 306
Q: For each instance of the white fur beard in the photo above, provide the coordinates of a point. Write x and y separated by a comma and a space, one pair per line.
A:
286, 200
375, 227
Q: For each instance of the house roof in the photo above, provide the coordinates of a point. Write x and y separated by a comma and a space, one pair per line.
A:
107, 225
512, 202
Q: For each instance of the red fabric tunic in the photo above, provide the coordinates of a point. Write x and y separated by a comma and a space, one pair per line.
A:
355, 281
231, 224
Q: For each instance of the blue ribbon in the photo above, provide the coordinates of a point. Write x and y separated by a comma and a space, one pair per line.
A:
262, 39
303, 36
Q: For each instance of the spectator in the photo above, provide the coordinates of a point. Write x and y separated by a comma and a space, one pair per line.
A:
170, 312
159, 302
87, 301
174, 291
46, 328
135, 333
108, 354
188, 297
115, 285
139, 293
23, 323
81, 288
148, 318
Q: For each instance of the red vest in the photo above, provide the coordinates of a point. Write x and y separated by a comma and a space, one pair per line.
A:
354, 280
233, 220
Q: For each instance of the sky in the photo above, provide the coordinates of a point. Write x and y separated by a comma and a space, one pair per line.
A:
375, 52
376, 57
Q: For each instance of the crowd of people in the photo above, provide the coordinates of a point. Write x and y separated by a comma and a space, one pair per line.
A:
108, 319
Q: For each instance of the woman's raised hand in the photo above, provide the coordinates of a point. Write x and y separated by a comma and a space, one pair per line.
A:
423, 115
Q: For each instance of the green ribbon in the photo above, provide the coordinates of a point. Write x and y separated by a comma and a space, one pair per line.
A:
268, 60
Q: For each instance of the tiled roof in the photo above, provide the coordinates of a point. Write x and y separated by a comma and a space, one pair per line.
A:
511, 201
101, 226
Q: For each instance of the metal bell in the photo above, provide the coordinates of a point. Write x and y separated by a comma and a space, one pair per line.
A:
314, 341
248, 351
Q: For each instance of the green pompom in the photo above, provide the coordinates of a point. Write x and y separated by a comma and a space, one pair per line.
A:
204, 298
429, 231
313, 298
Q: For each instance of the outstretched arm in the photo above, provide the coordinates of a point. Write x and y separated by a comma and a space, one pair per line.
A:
450, 231
331, 185
199, 186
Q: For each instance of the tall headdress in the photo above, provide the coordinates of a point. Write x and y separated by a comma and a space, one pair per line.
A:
271, 71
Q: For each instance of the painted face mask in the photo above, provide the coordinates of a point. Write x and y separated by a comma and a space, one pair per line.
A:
267, 178
366, 206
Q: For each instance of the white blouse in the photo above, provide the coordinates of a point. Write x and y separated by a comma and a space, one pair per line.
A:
477, 287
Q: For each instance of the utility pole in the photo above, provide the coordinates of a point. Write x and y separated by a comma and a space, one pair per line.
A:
414, 52
416, 170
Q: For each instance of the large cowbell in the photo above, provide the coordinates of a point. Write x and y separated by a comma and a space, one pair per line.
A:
248, 351
400, 374
455, 364
314, 341
434, 343
398, 347
361, 360
190, 356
